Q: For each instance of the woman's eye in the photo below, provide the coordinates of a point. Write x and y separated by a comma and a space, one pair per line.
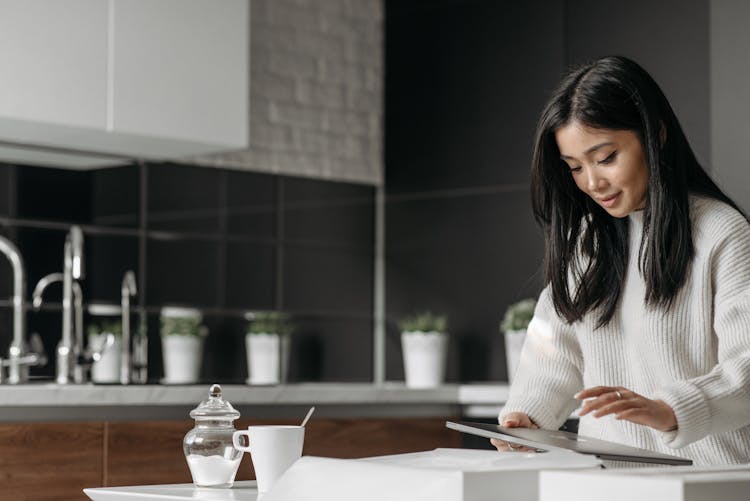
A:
610, 158
573, 170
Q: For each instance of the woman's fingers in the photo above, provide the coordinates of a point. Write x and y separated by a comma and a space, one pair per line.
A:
518, 420
600, 401
514, 420
503, 446
595, 391
596, 398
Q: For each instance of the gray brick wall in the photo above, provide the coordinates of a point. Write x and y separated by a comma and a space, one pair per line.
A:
316, 91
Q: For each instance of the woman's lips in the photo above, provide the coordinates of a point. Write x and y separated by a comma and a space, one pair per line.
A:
609, 201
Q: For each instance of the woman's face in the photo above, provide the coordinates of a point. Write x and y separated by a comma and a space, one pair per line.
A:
607, 165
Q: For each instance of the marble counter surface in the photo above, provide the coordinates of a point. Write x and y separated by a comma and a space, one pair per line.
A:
45, 401
241, 491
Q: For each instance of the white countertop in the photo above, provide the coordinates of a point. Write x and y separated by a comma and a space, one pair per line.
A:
678, 483
89, 401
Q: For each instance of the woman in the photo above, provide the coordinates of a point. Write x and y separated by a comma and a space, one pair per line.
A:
645, 317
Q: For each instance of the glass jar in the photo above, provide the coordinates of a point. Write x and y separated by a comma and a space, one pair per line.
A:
211, 457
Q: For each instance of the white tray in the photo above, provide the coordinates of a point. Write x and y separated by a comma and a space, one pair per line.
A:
244, 490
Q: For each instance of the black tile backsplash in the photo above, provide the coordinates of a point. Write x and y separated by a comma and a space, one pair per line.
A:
116, 197
54, 195
251, 204
7, 190
183, 198
185, 271
327, 278
6, 272
42, 251
222, 241
324, 347
250, 276
327, 212
107, 258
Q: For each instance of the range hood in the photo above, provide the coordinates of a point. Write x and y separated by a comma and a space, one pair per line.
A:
35, 143
94, 83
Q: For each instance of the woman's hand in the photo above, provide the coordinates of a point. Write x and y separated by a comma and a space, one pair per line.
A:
514, 420
628, 405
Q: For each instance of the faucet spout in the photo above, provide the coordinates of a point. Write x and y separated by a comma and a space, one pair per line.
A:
36, 301
72, 270
127, 290
75, 238
16, 372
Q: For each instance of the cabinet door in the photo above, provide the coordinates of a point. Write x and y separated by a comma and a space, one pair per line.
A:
53, 61
50, 461
181, 69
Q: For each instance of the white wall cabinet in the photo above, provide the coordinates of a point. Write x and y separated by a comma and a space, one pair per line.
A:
150, 79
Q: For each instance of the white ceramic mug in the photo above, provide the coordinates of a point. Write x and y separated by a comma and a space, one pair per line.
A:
273, 449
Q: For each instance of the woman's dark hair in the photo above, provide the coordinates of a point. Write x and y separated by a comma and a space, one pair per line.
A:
586, 249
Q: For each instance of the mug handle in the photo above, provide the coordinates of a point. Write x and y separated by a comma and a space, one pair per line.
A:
236, 440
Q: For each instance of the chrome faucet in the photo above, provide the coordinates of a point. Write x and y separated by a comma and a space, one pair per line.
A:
76, 347
17, 372
127, 290
72, 270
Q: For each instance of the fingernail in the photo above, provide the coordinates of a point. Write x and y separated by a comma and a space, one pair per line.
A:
577, 395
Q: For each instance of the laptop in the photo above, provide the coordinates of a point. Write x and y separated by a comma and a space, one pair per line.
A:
554, 439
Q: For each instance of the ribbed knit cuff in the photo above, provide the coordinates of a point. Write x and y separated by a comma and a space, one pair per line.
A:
692, 412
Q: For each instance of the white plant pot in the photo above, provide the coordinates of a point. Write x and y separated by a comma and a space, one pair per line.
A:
182, 358
513, 345
107, 368
263, 358
424, 358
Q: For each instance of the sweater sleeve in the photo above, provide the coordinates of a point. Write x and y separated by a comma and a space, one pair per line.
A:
549, 372
719, 401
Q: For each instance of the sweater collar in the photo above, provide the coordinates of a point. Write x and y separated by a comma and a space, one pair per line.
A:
636, 219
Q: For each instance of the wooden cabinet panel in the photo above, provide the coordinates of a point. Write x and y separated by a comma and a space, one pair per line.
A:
146, 452
55, 461
151, 452
356, 438
49, 461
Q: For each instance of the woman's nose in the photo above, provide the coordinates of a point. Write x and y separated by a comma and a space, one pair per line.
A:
595, 180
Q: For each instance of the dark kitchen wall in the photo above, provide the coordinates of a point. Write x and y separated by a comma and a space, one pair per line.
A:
669, 38
222, 241
465, 82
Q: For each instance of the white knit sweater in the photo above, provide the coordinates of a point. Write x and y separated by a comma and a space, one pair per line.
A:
695, 356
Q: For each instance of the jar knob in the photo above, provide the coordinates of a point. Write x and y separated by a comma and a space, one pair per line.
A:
215, 391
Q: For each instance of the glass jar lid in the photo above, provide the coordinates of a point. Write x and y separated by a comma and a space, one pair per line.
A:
215, 407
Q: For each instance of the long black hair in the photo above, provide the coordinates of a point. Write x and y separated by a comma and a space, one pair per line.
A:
586, 249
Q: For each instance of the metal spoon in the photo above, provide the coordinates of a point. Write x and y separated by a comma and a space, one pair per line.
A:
309, 413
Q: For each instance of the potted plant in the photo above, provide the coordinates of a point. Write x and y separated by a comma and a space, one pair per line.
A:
105, 319
267, 346
424, 341
182, 336
514, 324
